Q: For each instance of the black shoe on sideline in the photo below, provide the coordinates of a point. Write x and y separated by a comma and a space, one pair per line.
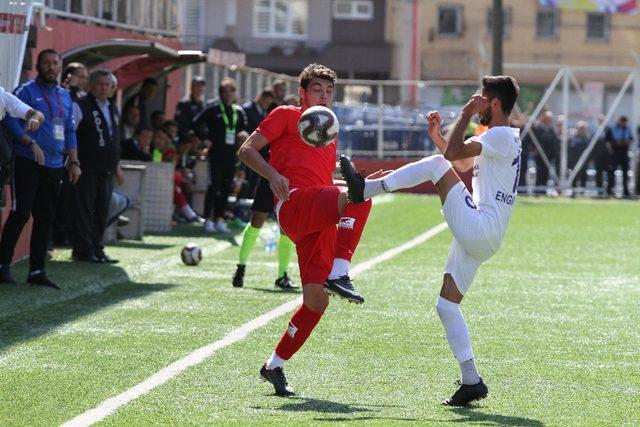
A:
123, 221
285, 283
104, 258
467, 394
277, 378
41, 279
85, 258
6, 276
343, 287
238, 277
355, 181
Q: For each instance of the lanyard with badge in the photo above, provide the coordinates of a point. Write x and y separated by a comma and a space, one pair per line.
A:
230, 134
58, 122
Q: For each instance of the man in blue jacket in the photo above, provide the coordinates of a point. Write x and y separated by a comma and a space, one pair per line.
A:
38, 167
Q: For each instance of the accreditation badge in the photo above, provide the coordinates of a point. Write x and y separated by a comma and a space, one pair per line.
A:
58, 130
230, 137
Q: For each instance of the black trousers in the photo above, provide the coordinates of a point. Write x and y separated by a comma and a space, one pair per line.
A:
602, 165
222, 173
91, 197
35, 192
619, 158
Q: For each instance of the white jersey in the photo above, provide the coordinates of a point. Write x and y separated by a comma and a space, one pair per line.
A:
9, 103
496, 172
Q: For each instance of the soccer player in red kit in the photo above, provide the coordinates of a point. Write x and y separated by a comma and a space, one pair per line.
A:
313, 212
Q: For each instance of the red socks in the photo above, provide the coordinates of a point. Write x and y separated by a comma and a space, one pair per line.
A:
300, 326
350, 229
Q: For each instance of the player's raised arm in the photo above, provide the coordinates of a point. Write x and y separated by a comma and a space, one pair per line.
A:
249, 154
457, 149
434, 121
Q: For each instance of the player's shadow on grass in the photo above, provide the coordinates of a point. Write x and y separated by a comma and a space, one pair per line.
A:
306, 404
471, 415
27, 312
134, 244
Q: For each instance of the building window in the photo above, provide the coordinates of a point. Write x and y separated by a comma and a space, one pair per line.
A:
353, 9
280, 18
506, 21
547, 22
598, 26
449, 20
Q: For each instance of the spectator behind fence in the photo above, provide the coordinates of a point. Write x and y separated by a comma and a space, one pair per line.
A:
292, 100
621, 138
138, 147
223, 123
130, 122
188, 109
141, 100
279, 89
550, 144
99, 154
601, 154
38, 167
577, 144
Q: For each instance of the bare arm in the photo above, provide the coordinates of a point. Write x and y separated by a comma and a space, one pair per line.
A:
435, 122
249, 154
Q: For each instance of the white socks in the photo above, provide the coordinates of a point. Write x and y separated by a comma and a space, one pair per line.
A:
340, 268
430, 168
274, 361
188, 213
459, 338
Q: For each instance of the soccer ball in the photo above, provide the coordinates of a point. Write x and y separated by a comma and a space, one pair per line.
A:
191, 254
318, 126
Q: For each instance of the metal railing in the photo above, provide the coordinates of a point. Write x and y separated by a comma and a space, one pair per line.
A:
159, 17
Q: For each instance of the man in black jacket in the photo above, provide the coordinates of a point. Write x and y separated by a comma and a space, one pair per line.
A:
99, 153
224, 124
188, 109
141, 99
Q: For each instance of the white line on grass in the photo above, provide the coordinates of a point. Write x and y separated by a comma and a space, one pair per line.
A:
110, 405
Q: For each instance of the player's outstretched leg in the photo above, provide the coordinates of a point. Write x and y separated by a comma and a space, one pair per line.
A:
430, 168
350, 227
471, 385
301, 324
285, 251
249, 237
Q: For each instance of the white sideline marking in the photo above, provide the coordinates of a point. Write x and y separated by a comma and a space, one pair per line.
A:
110, 405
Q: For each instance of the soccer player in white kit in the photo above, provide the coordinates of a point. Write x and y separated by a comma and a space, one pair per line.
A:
478, 222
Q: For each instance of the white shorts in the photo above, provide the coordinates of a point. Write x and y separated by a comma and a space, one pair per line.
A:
474, 241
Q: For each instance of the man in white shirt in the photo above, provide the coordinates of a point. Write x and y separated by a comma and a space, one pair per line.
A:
478, 223
9, 103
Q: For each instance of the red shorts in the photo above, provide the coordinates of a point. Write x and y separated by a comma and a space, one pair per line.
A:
309, 219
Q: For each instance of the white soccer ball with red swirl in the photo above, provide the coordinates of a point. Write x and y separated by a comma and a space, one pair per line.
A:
191, 254
318, 126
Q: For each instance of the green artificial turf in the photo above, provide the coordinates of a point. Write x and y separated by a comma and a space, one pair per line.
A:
553, 316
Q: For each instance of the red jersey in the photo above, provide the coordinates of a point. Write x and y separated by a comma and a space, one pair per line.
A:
302, 164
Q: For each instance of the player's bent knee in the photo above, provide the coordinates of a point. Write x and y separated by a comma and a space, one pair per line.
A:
314, 297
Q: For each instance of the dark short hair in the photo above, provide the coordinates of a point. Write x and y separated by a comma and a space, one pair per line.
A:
505, 88
623, 118
47, 52
168, 123
313, 71
266, 93
156, 113
161, 130
150, 81
129, 107
143, 129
